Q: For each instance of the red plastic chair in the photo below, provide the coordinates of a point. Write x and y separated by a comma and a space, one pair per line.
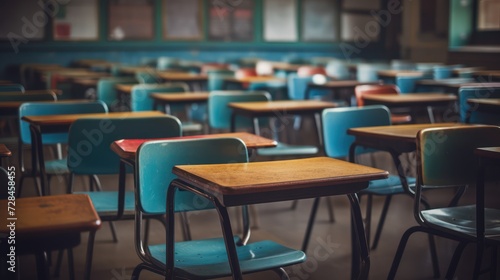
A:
306, 71
381, 89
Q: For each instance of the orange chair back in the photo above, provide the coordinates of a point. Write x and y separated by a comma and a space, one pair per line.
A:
307, 71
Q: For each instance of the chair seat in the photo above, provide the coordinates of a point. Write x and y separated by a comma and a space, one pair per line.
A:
463, 219
202, 259
400, 118
106, 203
389, 186
283, 149
54, 167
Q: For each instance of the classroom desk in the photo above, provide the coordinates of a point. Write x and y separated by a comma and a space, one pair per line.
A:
416, 102
272, 181
395, 139
181, 98
489, 156
453, 85
336, 86
487, 75
392, 74
279, 109
49, 223
127, 148
242, 82
131, 70
61, 123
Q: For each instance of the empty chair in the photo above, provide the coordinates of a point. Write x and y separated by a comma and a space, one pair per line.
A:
147, 77
306, 71
451, 163
168, 63
338, 69
408, 84
470, 115
202, 258
380, 89
398, 64
140, 99
107, 93
442, 72
367, 72
57, 166
337, 142
216, 78
112, 203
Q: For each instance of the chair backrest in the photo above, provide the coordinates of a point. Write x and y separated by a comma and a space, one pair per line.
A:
11, 87
89, 140
156, 159
337, 121
106, 91
219, 114
442, 72
307, 71
398, 64
54, 108
147, 77
42, 96
166, 63
216, 78
337, 69
297, 86
140, 99
367, 72
373, 89
407, 84
245, 72
466, 93
446, 155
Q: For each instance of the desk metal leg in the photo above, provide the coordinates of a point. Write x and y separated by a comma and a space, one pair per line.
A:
479, 219
360, 254
36, 139
90, 251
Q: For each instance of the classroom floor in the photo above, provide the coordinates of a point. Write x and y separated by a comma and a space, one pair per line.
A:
278, 222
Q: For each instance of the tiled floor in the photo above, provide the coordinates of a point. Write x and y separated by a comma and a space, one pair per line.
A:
277, 221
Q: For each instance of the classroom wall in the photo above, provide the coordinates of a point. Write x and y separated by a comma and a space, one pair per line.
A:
14, 14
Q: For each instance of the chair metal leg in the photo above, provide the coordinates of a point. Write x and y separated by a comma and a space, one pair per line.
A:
381, 221
71, 264
281, 273
431, 114
330, 210
400, 251
186, 231
434, 257
90, 251
57, 269
452, 267
113, 231
294, 204
368, 218
42, 266
360, 267
310, 224
493, 265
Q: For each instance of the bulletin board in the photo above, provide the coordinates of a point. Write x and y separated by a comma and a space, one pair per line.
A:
280, 20
231, 21
319, 20
354, 25
77, 21
131, 20
182, 20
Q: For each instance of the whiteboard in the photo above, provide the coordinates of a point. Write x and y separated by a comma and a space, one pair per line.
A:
280, 20
319, 20
77, 20
183, 19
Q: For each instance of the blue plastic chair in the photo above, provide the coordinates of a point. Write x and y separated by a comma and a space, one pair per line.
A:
168, 63
11, 87
453, 163
338, 69
442, 72
367, 72
99, 159
466, 115
203, 258
140, 99
52, 167
337, 143
107, 93
216, 78
407, 84
147, 77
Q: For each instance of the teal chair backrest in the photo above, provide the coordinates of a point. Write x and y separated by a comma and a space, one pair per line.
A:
219, 114
89, 140
147, 77
11, 87
140, 99
106, 91
452, 162
54, 108
367, 72
337, 121
407, 84
216, 78
48, 96
168, 63
442, 72
466, 93
156, 159
398, 64
297, 86
338, 70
